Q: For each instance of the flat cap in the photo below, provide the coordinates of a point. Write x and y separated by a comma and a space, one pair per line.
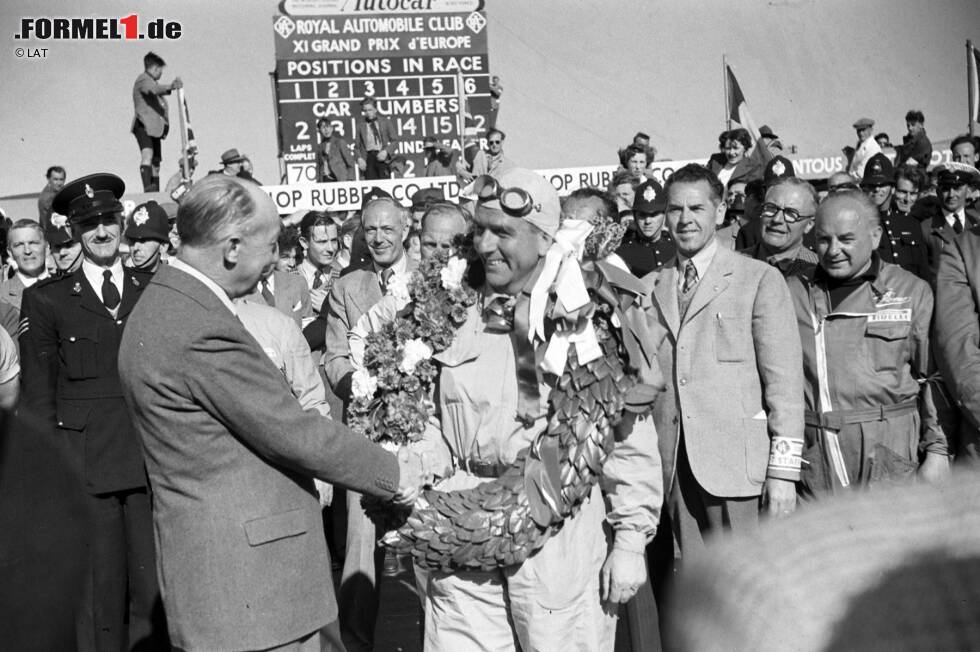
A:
864, 123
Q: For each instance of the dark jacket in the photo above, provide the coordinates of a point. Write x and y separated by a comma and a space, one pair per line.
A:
70, 376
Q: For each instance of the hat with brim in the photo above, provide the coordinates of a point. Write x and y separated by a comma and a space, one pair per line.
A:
864, 123
878, 171
957, 174
424, 198
649, 198
765, 131
231, 156
148, 222
90, 197
57, 235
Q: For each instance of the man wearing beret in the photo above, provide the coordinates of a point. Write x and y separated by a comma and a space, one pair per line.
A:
70, 345
866, 147
148, 232
647, 246
902, 242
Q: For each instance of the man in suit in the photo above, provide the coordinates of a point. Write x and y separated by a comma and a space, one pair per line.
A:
230, 453
334, 160
351, 296
731, 422
286, 292
320, 240
28, 248
954, 188
375, 141
150, 122
73, 326
957, 336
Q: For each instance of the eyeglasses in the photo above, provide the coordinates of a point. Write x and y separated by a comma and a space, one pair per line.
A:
513, 201
494, 142
791, 215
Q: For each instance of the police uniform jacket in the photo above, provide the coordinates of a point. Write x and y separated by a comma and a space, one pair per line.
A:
643, 256
69, 352
903, 244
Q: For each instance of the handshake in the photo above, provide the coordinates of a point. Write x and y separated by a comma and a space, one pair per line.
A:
415, 472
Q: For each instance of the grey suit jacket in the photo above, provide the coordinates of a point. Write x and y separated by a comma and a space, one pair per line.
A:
230, 454
291, 295
957, 333
734, 370
12, 290
350, 297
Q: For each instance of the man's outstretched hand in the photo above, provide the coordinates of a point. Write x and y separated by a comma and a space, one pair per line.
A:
412, 476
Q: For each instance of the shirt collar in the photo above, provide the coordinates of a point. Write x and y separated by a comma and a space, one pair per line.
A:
94, 273
701, 260
870, 274
959, 216
177, 263
398, 267
28, 281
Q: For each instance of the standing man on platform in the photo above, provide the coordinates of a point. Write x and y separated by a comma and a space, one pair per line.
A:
334, 161
56, 181
375, 142
731, 333
150, 122
70, 345
867, 147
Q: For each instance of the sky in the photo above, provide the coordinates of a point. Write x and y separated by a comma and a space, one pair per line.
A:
580, 78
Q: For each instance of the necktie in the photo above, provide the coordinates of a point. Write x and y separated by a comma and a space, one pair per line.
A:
386, 275
110, 293
267, 294
317, 280
498, 314
690, 276
957, 225
376, 132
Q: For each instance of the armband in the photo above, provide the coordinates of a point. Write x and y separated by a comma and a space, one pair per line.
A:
786, 454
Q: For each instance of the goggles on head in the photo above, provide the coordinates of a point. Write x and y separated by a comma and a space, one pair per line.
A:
516, 202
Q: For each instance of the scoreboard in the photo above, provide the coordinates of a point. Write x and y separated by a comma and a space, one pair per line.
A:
417, 58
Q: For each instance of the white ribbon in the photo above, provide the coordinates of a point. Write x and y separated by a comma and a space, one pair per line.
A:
562, 272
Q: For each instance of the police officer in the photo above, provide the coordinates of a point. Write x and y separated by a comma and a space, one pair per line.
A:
65, 250
864, 325
647, 246
74, 324
148, 234
902, 242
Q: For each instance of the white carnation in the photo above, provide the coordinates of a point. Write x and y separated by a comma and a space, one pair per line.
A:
398, 290
363, 384
452, 273
415, 352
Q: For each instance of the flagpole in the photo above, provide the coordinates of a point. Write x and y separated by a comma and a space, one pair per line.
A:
724, 72
185, 170
971, 73
461, 112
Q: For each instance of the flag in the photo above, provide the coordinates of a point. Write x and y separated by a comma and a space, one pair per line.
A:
737, 109
973, 65
191, 148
